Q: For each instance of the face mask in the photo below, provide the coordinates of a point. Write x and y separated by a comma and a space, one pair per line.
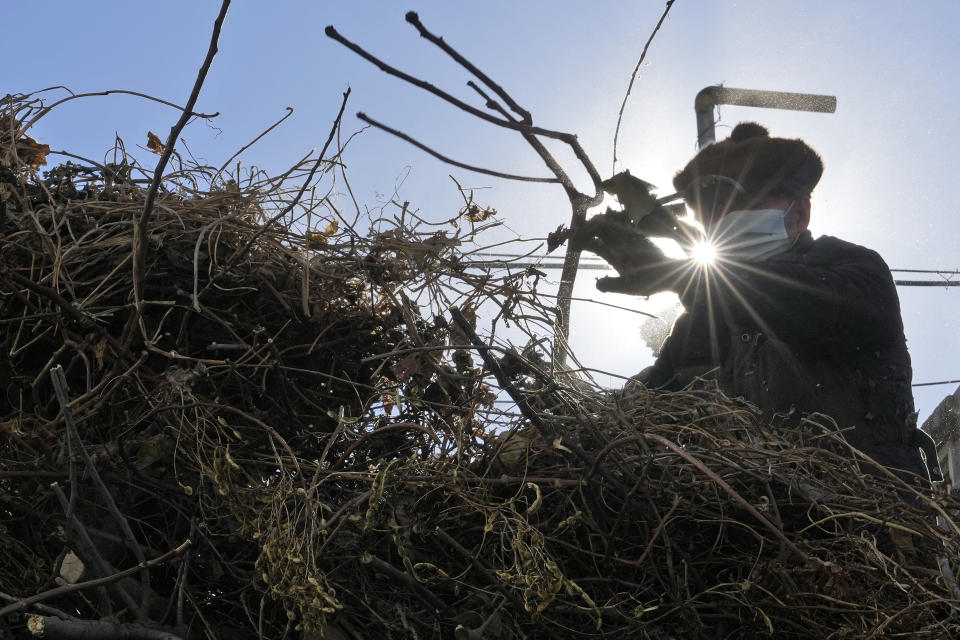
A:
756, 234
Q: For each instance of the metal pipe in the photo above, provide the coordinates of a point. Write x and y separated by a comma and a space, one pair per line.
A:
710, 97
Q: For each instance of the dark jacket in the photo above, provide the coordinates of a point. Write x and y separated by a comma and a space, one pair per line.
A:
814, 329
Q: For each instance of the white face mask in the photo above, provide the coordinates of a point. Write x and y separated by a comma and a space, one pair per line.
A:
756, 234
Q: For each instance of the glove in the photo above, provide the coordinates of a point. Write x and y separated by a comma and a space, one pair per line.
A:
647, 214
640, 264
633, 194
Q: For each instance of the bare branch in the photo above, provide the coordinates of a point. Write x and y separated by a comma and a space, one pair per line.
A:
533, 141
571, 262
633, 77
293, 203
579, 202
252, 142
97, 582
60, 390
414, 19
88, 550
45, 110
439, 156
51, 627
393, 71
140, 236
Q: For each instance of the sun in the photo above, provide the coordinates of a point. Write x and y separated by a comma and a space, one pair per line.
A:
703, 253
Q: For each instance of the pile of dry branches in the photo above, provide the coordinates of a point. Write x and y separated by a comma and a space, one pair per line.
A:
291, 426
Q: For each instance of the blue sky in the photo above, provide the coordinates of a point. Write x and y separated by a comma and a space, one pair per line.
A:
891, 175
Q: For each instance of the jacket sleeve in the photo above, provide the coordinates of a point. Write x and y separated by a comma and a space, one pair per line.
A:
837, 293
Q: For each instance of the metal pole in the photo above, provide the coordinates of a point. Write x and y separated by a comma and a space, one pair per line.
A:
710, 97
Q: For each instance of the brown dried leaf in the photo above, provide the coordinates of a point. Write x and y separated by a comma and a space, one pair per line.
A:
30, 152
317, 239
154, 143
474, 213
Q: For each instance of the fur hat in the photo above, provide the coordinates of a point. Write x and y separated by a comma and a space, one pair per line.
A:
747, 167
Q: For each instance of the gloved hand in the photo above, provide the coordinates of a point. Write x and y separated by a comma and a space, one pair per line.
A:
647, 214
633, 194
622, 239
641, 265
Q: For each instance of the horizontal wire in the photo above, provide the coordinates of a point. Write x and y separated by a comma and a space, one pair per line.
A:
533, 256
946, 272
598, 266
933, 384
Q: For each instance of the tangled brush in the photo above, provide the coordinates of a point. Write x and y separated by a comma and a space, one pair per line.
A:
291, 427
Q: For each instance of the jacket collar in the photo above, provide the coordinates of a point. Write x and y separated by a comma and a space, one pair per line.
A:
802, 245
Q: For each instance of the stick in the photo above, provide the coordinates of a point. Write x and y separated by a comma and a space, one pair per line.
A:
251, 143
140, 235
49, 627
61, 391
633, 76
733, 494
89, 551
414, 19
45, 110
450, 161
97, 582
85, 321
443, 95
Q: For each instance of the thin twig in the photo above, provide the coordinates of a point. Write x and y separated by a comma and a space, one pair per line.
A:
82, 319
732, 493
250, 144
293, 203
407, 580
414, 19
526, 120
140, 235
538, 146
393, 71
45, 110
633, 77
97, 582
451, 161
579, 202
60, 389
42, 608
656, 532
89, 551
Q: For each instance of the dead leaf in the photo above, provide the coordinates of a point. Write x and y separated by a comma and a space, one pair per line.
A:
317, 239
72, 568
154, 143
474, 213
30, 152
99, 351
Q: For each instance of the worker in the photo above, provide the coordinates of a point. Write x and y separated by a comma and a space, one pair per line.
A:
793, 324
